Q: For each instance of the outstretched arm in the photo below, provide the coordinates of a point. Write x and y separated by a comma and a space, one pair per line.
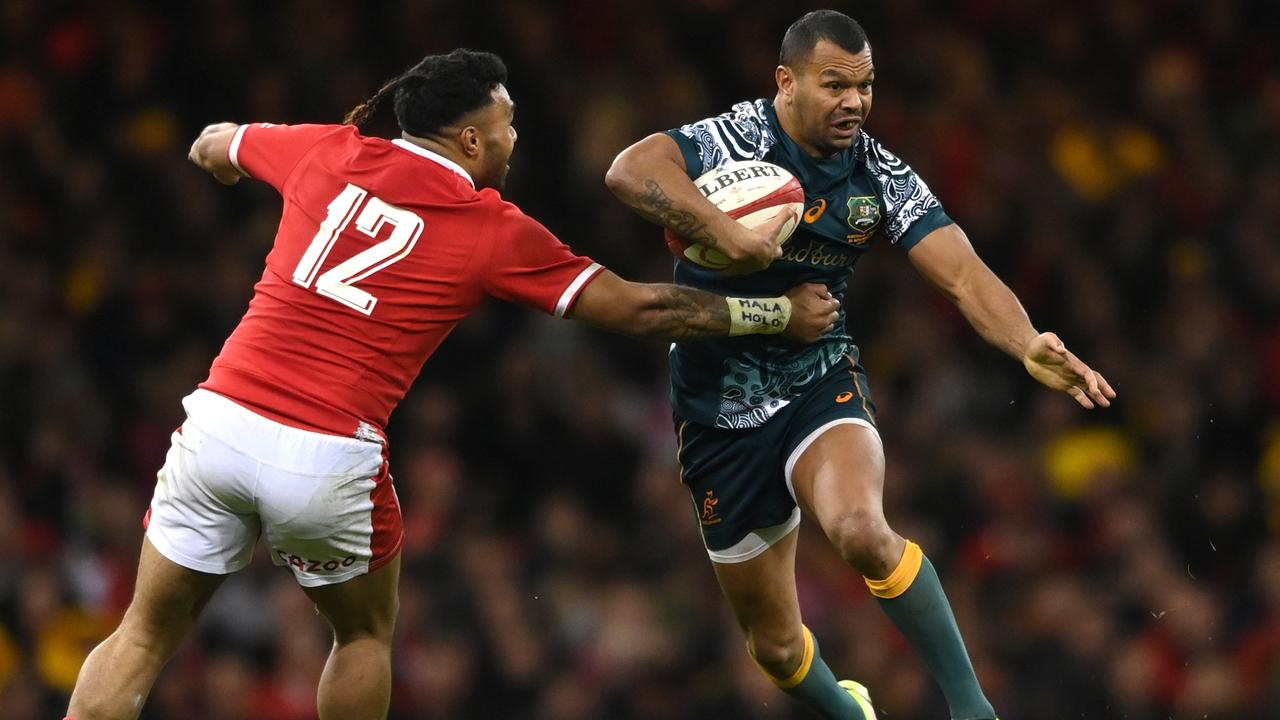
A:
676, 313
651, 178
210, 152
947, 259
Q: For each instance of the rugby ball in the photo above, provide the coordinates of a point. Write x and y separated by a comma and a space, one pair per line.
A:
750, 191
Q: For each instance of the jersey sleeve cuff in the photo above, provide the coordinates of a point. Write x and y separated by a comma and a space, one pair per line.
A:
689, 149
571, 293
233, 150
930, 221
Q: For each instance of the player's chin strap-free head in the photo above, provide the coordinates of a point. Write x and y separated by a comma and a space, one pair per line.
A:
436, 92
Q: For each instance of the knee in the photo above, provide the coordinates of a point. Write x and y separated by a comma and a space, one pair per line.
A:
779, 654
865, 541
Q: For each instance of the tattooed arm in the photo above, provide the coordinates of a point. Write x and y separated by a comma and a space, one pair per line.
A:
675, 312
652, 179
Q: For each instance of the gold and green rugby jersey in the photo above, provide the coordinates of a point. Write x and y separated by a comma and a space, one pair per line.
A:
851, 198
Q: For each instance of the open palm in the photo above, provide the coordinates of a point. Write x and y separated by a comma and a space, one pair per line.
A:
1049, 361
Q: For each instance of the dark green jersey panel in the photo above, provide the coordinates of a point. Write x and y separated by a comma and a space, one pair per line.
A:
851, 199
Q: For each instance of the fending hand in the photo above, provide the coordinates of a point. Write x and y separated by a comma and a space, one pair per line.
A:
1049, 361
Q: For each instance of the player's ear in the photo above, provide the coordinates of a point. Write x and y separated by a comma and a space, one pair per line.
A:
469, 137
786, 81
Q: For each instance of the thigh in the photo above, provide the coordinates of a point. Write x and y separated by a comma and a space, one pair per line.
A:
740, 500
762, 591
840, 472
835, 461
167, 598
363, 606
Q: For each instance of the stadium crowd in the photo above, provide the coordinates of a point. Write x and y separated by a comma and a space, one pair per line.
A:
1118, 163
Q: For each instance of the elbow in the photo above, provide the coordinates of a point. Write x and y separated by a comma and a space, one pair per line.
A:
633, 166
636, 167
621, 177
622, 307
644, 310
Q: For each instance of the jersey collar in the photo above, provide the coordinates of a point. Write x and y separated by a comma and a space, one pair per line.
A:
434, 157
857, 151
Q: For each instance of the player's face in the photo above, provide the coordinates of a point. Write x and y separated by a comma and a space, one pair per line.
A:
497, 139
829, 94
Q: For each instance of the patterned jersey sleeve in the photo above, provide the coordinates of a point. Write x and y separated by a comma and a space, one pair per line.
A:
740, 134
269, 152
530, 266
911, 209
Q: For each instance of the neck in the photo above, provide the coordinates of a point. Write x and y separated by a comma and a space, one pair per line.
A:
791, 126
441, 148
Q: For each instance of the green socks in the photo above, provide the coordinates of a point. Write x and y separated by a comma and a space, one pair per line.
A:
814, 685
912, 597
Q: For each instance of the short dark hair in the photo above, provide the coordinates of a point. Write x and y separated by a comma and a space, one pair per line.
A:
830, 25
437, 91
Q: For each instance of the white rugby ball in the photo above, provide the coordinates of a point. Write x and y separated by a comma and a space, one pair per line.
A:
750, 191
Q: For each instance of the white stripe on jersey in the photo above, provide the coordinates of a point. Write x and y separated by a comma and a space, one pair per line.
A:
732, 139
572, 291
233, 152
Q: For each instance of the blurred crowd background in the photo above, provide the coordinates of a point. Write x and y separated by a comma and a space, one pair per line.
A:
1117, 163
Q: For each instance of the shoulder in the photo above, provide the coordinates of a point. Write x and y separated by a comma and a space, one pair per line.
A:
491, 201
750, 116
504, 216
910, 205
295, 141
302, 131
878, 157
742, 133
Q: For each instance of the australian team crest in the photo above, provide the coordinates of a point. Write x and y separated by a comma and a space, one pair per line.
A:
864, 218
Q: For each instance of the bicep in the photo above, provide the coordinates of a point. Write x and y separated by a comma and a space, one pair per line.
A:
270, 152
660, 146
946, 258
639, 159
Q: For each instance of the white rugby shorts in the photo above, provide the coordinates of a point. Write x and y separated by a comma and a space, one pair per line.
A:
325, 503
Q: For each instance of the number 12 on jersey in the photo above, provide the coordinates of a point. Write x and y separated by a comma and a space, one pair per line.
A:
338, 281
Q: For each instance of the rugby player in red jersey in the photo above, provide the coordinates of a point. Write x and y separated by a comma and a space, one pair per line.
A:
383, 246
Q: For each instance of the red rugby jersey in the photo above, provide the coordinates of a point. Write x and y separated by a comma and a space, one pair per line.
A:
383, 247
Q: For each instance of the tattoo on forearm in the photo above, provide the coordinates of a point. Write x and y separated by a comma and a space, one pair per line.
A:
688, 314
657, 206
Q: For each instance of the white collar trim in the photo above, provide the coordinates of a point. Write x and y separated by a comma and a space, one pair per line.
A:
434, 157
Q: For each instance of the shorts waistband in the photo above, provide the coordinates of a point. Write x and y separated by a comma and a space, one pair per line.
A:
268, 440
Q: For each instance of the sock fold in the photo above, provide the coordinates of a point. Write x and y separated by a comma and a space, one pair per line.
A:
902, 576
913, 598
815, 685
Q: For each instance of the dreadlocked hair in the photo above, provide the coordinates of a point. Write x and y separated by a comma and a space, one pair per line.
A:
362, 113
436, 92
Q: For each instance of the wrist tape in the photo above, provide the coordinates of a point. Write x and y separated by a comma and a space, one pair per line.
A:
758, 316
